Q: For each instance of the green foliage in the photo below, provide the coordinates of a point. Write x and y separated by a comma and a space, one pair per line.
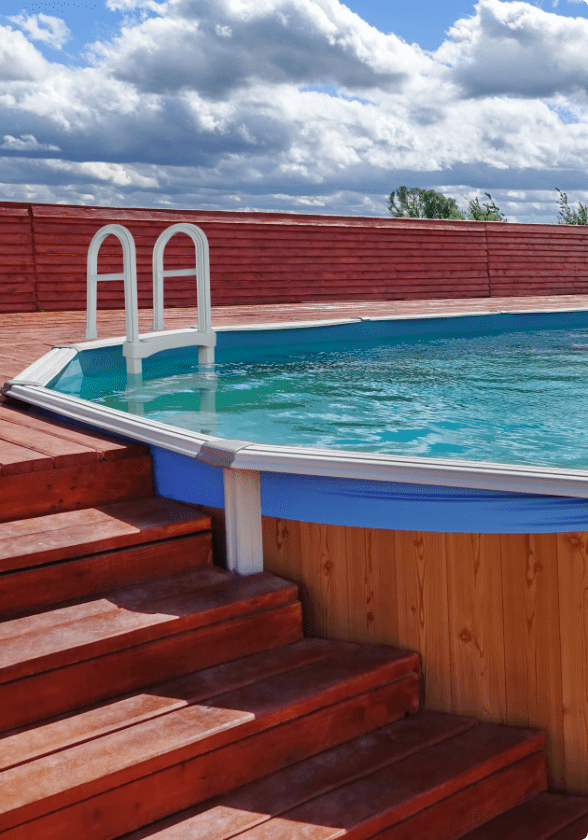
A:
567, 215
422, 204
488, 212
417, 203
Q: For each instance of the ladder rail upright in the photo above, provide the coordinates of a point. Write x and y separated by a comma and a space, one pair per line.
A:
136, 347
128, 276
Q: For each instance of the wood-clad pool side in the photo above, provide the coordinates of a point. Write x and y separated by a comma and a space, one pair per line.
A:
500, 620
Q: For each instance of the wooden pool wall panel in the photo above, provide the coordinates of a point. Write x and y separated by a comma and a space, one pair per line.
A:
285, 258
500, 620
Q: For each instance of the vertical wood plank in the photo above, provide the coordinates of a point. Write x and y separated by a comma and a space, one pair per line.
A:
475, 625
371, 570
324, 565
423, 623
572, 551
283, 556
532, 640
281, 548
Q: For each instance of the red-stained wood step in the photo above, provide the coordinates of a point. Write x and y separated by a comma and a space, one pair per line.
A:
257, 802
475, 804
60, 536
54, 735
379, 804
27, 590
52, 693
547, 816
15, 460
107, 448
70, 488
577, 831
275, 706
62, 453
106, 815
131, 616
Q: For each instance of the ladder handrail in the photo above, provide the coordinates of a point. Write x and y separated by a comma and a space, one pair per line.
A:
128, 276
201, 270
135, 349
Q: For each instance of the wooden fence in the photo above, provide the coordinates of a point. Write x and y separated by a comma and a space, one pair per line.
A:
275, 258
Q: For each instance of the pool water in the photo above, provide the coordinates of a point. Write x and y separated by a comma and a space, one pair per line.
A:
514, 397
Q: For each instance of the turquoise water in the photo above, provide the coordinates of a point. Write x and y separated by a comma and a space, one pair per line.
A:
517, 397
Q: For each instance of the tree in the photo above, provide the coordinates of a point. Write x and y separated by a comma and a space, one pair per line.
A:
567, 215
416, 203
488, 212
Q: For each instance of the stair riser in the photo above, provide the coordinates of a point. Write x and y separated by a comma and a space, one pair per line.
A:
54, 692
69, 488
456, 815
31, 589
578, 831
109, 815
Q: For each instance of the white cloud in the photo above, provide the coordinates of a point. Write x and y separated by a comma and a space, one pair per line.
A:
299, 104
218, 48
40, 27
26, 143
19, 60
517, 49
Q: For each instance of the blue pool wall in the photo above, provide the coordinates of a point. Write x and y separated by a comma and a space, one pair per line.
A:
375, 504
249, 345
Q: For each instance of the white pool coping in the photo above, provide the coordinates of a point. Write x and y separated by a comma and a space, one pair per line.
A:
30, 387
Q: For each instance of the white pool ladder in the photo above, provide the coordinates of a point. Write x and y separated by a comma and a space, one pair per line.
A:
136, 348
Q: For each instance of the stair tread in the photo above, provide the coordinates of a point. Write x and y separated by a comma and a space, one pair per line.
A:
60, 536
576, 831
542, 818
116, 758
258, 801
63, 453
130, 616
15, 460
363, 807
159, 699
106, 446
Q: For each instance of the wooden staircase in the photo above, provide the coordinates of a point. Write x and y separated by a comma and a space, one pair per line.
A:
145, 693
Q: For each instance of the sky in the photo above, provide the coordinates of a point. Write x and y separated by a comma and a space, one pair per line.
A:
305, 106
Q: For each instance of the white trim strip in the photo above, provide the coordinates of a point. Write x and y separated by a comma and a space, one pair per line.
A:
47, 367
243, 455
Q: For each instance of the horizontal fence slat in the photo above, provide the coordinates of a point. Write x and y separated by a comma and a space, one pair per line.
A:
281, 257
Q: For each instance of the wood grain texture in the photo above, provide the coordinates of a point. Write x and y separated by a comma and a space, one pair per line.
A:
475, 609
573, 588
532, 647
501, 621
541, 818
284, 257
70, 488
37, 587
423, 616
94, 680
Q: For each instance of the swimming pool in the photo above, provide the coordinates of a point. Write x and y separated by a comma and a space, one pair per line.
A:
499, 394
330, 484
